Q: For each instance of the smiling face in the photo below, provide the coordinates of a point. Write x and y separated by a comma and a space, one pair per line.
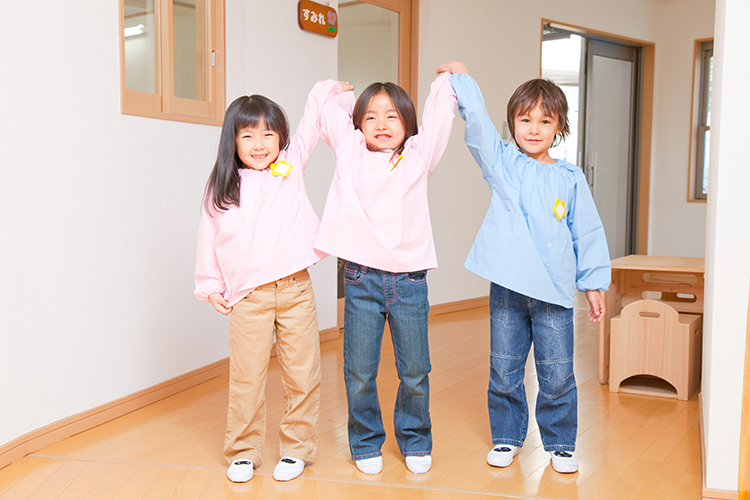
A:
534, 133
382, 125
257, 147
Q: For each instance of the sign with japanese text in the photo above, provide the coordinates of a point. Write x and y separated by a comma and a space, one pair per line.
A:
317, 18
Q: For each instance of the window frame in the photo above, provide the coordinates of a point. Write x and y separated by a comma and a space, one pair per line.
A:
699, 126
164, 104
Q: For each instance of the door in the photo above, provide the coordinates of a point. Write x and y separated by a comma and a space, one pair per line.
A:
607, 145
600, 80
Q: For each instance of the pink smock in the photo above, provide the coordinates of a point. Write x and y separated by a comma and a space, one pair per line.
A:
377, 214
271, 234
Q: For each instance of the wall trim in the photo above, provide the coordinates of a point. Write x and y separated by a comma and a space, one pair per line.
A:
459, 305
62, 429
719, 495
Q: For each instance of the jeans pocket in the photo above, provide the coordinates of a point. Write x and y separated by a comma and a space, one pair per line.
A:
416, 277
354, 273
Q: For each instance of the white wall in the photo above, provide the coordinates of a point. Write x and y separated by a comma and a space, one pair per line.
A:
727, 265
502, 48
99, 211
676, 227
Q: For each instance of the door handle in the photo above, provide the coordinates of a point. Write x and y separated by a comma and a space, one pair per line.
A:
591, 172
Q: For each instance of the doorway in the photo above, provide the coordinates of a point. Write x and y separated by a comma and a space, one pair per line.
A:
393, 25
603, 83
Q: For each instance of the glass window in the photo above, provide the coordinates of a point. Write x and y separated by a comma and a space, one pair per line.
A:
699, 154
172, 59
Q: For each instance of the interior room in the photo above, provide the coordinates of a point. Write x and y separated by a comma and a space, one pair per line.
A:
113, 376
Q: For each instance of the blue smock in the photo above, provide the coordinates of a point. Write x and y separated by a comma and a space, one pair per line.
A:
542, 233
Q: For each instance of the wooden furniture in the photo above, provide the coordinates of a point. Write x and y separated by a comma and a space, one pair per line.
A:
650, 337
677, 281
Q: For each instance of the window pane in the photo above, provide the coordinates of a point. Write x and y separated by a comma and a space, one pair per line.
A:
191, 57
706, 155
710, 82
140, 46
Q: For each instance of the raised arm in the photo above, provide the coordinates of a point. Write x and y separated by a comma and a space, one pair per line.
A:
437, 121
336, 115
481, 137
308, 132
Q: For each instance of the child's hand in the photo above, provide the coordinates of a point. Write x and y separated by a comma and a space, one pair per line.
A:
219, 303
346, 86
596, 313
453, 67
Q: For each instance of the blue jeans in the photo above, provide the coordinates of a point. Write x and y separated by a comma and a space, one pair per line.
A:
517, 321
372, 296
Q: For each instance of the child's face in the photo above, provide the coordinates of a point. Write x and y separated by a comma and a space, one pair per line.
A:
258, 146
381, 125
534, 133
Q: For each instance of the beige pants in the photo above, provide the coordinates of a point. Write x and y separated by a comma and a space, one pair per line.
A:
289, 304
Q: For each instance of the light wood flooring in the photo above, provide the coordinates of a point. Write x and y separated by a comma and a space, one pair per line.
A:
629, 446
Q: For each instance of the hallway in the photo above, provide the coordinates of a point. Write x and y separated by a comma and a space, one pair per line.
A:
629, 446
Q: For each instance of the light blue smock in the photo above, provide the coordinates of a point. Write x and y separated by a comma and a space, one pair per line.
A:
522, 245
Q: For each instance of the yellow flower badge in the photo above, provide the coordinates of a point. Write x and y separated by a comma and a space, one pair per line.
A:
280, 169
559, 209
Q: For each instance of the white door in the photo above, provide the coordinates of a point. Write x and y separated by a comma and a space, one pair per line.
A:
608, 149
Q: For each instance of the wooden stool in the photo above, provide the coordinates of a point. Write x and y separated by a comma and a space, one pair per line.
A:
649, 337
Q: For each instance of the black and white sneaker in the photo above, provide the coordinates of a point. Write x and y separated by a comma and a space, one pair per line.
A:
563, 462
502, 455
288, 468
240, 471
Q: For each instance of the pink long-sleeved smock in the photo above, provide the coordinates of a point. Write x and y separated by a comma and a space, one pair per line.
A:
376, 214
270, 235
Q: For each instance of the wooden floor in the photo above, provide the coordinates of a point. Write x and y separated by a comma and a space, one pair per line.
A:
629, 446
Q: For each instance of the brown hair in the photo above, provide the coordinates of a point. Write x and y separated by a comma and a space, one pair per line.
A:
551, 98
401, 101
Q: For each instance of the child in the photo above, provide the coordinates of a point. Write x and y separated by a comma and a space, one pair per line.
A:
541, 236
254, 247
377, 218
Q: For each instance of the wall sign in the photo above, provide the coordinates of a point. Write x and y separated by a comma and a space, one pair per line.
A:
317, 18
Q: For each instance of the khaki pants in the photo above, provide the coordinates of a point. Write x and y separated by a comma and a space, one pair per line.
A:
289, 304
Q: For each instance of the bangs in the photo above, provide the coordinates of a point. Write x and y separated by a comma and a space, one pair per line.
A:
258, 111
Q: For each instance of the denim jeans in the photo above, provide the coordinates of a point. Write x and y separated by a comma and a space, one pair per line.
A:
517, 321
372, 296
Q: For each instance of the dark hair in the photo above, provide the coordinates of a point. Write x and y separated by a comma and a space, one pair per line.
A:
401, 101
223, 187
553, 102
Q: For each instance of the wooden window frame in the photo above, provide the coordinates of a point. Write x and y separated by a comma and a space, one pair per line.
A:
164, 104
697, 125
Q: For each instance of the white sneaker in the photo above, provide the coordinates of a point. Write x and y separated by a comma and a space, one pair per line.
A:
240, 471
372, 465
563, 462
288, 468
419, 465
502, 455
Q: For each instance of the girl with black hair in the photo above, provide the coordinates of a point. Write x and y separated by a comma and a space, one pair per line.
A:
377, 218
255, 244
